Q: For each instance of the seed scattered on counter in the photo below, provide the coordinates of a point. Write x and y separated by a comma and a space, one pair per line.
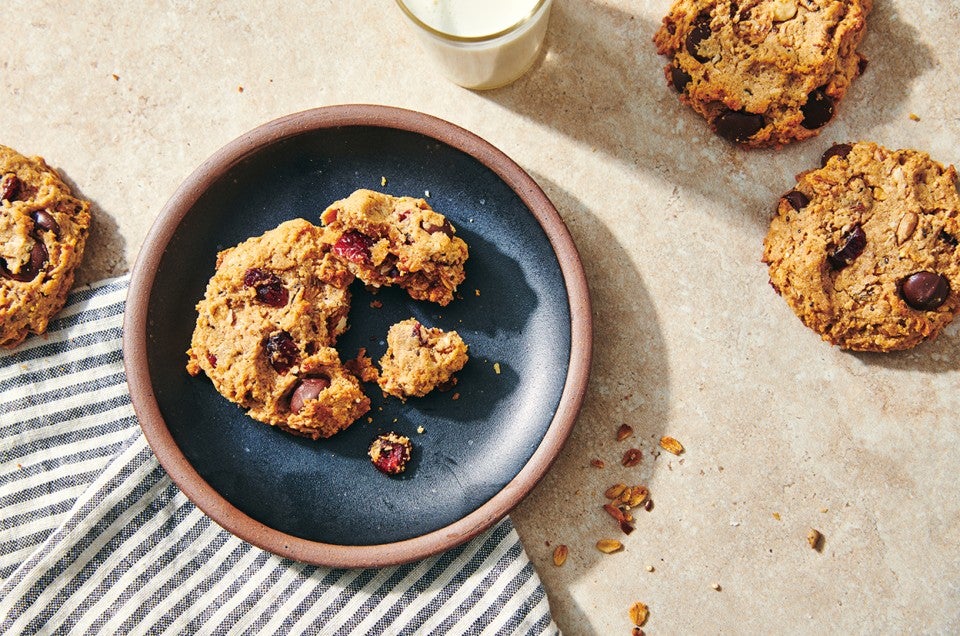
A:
597, 463
716, 587
560, 555
639, 613
609, 546
671, 445
632, 457
624, 432
815, 539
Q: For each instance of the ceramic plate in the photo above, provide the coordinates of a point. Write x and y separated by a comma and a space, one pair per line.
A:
523, 310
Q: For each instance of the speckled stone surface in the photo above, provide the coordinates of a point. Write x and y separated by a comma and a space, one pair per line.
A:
783, 432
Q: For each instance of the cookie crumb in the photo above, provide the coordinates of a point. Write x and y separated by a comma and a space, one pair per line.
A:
456, 396
650, 568
776, 516
476, 292
239, 89
390, 453
383, 181
815, 539
420, 429
597, 463
716, 587
426, 193
375, 304
496, 368
914, 117
116, 78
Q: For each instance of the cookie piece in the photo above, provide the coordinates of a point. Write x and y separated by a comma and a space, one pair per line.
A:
864, 249
390, 453
265, 330
419, 358
43, 230
763, 72
386, 240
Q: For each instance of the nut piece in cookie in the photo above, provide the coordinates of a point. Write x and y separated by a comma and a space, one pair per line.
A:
419, 358
763, 72
265, 330
390, 453
864, 249
43, 231
386, 240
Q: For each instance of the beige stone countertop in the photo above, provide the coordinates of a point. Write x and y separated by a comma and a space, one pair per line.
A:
783, 432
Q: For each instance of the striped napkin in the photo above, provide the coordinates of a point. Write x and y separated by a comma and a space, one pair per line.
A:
96, 539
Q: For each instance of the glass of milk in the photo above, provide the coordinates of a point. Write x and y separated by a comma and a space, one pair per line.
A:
480, 44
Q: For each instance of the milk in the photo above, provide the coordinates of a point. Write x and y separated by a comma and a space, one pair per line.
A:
480, 44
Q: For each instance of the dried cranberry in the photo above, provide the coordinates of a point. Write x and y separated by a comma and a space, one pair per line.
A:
948, 238
353, 246
390, 453
212, 359
282, 351
308, 389
9, 187
853, 245
268, 287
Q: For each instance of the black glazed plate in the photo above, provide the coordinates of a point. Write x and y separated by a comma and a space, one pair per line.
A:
523, 310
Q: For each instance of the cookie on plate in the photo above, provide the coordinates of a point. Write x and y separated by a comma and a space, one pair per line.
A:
763, 72
419, 359
265, 330
865, 248
43, 230
386, 240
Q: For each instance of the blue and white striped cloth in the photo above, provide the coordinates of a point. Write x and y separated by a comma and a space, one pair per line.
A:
96, 539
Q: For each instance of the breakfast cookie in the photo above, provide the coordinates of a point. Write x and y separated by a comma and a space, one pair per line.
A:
763, 72
387, 240
864, 249
43, 230
419, 358
265, 330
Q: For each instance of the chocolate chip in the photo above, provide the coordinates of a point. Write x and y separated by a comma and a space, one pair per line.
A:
38, 258
738, 125
853, 245
818, 110
445, 227
700, 32
836, 150
308, 389
948, 238
925, 290
798, 200
679, 78
45, 221
9, 187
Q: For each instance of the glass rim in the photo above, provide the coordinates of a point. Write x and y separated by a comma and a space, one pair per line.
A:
443, 35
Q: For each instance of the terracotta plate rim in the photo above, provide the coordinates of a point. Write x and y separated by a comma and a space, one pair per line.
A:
209, 500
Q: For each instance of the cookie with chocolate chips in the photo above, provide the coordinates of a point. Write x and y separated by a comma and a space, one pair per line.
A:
266, 328
763, 72
864, 248
43, 230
